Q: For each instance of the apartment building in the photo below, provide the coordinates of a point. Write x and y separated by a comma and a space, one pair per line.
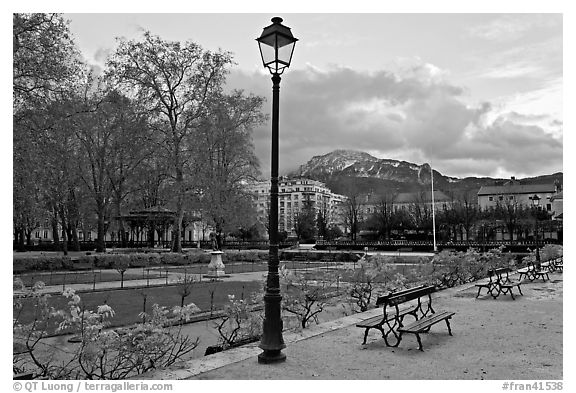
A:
293, 194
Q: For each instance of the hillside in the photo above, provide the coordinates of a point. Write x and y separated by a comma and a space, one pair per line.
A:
347, 170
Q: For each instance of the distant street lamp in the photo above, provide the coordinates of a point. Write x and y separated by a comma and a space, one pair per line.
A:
536, 203
276, 47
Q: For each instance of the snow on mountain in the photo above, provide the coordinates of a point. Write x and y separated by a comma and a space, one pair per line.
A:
361, 164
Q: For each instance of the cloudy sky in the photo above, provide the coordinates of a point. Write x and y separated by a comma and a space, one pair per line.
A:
471, 94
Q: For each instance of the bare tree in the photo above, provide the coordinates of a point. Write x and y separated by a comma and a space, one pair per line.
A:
352, 212
174, 81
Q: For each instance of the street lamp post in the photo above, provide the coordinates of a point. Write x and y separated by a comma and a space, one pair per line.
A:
276, 47
536, 203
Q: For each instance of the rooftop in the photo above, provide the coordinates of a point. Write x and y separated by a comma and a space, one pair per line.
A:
515, 188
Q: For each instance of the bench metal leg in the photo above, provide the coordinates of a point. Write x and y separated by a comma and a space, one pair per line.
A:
520, 290
448, 324
365, 336
419, 342
397, 336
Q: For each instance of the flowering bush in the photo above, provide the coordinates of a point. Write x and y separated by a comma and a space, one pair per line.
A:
238, 323
551, 251
304, 298
375, 273
102, 353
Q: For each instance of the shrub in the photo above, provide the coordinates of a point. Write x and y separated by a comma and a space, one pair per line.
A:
102, 353
135, 259
303, 298
239, 322
375, 273
455, 268
551, 251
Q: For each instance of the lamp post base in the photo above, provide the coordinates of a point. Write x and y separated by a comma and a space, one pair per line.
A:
271, 356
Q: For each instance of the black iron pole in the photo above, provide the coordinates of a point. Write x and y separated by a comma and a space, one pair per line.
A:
536, 233
272, 342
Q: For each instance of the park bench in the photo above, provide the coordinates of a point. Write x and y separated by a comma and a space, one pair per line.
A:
391, 323
404, 249
533, 271
499, 282
553, 264
559, 264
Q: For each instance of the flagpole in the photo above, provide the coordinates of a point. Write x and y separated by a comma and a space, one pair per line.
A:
433, 211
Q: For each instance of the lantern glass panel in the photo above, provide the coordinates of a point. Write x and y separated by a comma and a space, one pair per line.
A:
268, 54
285, 53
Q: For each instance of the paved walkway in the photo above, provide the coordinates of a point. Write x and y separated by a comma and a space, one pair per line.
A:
493, 339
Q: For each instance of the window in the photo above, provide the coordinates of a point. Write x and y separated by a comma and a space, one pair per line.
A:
549, 206
511, 197
45, 235
500, 197
490, 199
37, 234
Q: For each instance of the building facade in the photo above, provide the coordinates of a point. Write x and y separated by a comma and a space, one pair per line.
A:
293, 194
404, 200
557, 201
513, 192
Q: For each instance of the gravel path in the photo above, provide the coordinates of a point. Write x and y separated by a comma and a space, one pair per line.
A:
493, 339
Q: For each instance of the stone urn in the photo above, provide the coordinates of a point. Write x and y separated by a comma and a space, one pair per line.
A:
216, 266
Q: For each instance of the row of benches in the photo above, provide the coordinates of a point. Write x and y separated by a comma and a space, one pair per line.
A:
499, 281
417, 303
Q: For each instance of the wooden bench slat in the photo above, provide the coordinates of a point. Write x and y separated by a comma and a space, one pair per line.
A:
371, 322
424, 323
395, 299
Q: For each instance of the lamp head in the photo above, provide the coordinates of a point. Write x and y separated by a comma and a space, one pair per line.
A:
276, 46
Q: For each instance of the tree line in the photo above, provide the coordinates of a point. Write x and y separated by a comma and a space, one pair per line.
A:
458, 219
155, 128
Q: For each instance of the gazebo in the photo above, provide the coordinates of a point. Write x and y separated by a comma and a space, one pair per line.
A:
144, 223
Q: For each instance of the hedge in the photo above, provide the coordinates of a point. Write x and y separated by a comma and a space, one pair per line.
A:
142, 259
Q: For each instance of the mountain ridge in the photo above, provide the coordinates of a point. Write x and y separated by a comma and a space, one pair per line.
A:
344, 170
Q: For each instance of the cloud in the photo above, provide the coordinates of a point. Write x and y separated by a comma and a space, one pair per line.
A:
408, 114
512, 70
513, 27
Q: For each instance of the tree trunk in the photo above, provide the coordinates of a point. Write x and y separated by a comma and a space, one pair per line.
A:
55, 234
177, 247
100, 243
21, 240
64, 235
69, 231
75, 240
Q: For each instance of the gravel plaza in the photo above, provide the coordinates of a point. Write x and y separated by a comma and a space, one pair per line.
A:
493, 339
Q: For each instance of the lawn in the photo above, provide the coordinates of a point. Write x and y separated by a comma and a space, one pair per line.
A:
128, 303
86, 277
